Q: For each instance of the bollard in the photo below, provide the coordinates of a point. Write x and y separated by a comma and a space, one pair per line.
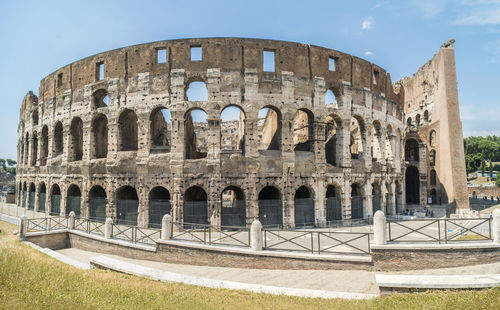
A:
71, 220
108, 228
256, 240
379, 225
166, 227
495, 229
23, 227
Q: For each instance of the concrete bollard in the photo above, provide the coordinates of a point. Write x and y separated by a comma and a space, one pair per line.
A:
23, 227
166, 227
72, 217
495, 226
256, 236
379, 226
108, 228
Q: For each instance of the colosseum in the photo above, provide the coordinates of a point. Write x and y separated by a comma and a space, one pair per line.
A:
225, 131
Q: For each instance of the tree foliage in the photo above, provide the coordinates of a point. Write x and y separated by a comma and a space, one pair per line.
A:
479, 150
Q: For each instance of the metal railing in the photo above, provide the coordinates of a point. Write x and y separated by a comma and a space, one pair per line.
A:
439, 230
317, 241
208, 234
136, 234
46, 224
90, 227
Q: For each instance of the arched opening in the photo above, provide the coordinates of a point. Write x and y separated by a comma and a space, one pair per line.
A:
357, 202
43, 197
333, 126
304, 207
398, 198
433, 177
35, 117
32, 192
357, 131
44, 151
100, 136
24, 195
58, 139
55, 200
333, 205
21, 154
232, 129
432, 158
161, 128
27, 148
412, 185
127, 125
408, 121
127, 206
411, 150
269, 125
100, 98
330, 98
376, 140
195, 206
76, 139
34, 149
97, 200
376, 198
195, 134
432, 138
233, 212
426, 116
302, 130
417, 120
197, 91
270, 207
73, 200
433, 196
159, 205
389, 152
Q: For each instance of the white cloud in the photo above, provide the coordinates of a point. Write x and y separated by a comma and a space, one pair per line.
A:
367, 23
368, 53
380, 4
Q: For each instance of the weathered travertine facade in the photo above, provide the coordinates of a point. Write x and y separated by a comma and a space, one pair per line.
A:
93, 137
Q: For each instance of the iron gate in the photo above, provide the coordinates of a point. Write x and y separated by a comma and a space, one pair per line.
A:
32, 201
157, 209
271, 212
127, 212
357, 207
233, 214
376, 203
304, 212
41, 204
98, 209
333, 209
195, 212
73, 204
55, 205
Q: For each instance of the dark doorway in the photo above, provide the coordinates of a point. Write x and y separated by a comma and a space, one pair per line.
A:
357, 203
97, 199
41, 202
412, 185
270, 207
127, 206
55, 200
159, 205
195, 206
233, 210
73, 200
304, 207
333, 205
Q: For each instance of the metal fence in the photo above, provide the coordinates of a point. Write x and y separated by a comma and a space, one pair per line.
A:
304, 212
271, 212
73, 204
136, 234
357, 207
208, 234
55, 205
439, 230
195, 212
333, 209
97, 208
157, 209
41, 204
46, 224
89, 226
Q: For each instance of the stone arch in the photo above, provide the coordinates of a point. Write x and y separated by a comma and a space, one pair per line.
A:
333, 203
127, 127
411, 150
432, 158
269, 125
432, 138
159, 205
333, 147
197, 91
412, 185
195, 134
233, 207
99, 136
100, 98
44, 148
43, 197
32, 197
73, 200
160, 129
357, 201
376, 197
433, 177
97, 202
357, 134
34, 148
331, 98
76, 145
58, 139
55, 200
195, 209
302, 130
233, 128
304, 207
376, 141
127, 205
270, 207
34, 117
26, 149
389, 142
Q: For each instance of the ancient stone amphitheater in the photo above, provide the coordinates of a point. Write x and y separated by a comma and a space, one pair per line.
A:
219, 130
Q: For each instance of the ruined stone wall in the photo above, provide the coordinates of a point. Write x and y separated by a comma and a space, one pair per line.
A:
232, 69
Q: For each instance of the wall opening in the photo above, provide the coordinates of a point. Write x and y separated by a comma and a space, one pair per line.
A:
100, 136
232, 129
433, 196
197, 91
412, 185
376, 139
159, 205
376, 198
195, 134
432, 158
32, 193
161, 129
43, 197
97, 201
233, 210
127, 125
432, 138
357, 202
195, 206
433, 177
55, 200
357, 131
411, 150
100, 98
35, 118
304, 207
59, 79
333, 205
73, 200
34, 149
389, 152
58, 139
27, 148
330, 98
270, 207
269, 125
196, 53
332, 146
99, 71
76, 139
161, 55
303, 122
127, 206
331, 64
268, 61
44, 151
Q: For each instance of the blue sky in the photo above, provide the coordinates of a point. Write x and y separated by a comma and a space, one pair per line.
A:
38, 37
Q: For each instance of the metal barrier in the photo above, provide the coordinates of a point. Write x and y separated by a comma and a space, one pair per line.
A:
439, 230
208, 234
136, 234
46, 224
89, 226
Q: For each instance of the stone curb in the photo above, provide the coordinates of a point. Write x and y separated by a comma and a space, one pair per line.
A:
438, 281
60, 257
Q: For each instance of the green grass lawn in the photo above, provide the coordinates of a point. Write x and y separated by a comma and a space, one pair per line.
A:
32, 280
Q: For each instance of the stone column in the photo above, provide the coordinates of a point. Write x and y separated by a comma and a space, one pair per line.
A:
166, 227
382, 143
367, 146
320, 202
37, 198
379, 228
343, 151
256, 236
346, 200
495, 227
368, 198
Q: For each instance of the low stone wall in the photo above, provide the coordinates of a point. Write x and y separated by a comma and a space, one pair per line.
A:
485, 191
431, 256
54, 240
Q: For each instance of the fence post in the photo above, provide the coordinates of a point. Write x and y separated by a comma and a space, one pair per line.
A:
256, 236
71, 220
22, 227
108, 228
379, 225
166, 227
496, 226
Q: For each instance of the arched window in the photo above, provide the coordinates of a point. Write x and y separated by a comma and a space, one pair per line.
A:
357, 203
127, 124
417, 119
333, 204
195, 134
195, 206
100, 136
433, 177
330, 98
389, 152
304, 207
32, 192
97, 201
161, 128
432, 138
73, 200
357, 132
432, 157
127, 205
43, 197
45, 146
408, 122
269, 125
332, 146
232, 129
34, 149
58, 139
35, 117
100, 98
376, 139
233, 211
55, 198
27, 149
270, 207
426, 116
197, 91
302, 130
159, 205
411, 150
376, 198
76, 139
